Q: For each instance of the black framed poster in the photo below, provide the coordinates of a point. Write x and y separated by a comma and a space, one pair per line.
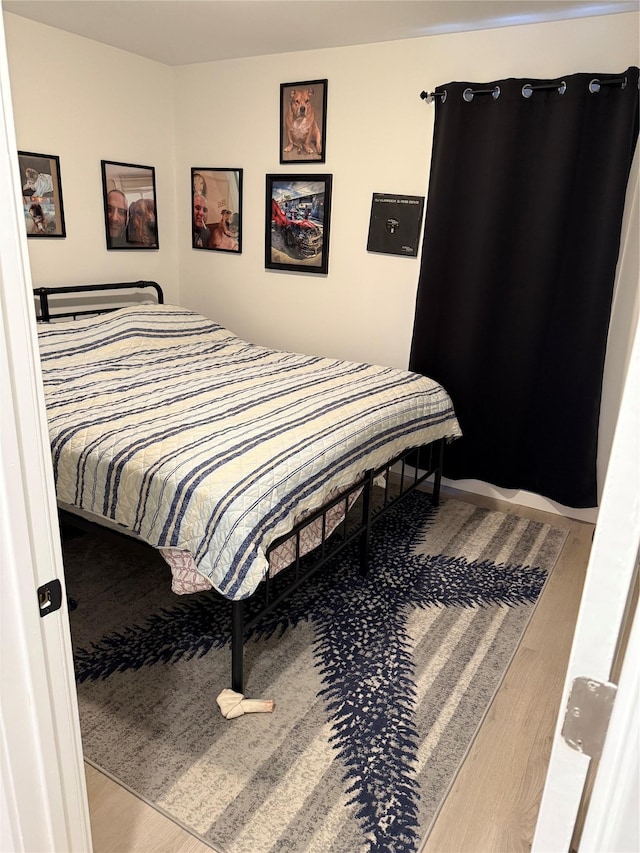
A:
394, 227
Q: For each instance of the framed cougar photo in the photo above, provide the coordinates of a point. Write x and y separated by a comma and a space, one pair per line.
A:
130, 213
297, 220
303, 122
41, 194
216, 209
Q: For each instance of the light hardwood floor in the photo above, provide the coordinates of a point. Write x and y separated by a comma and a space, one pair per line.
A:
493, 804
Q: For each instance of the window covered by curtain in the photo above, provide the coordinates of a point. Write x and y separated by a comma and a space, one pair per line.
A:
522, 233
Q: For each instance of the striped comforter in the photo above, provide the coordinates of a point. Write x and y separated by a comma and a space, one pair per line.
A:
169, 425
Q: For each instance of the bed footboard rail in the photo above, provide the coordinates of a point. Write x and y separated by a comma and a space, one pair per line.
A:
401, 476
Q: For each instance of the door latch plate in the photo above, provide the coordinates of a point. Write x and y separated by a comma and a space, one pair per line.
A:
50, 597
587, 716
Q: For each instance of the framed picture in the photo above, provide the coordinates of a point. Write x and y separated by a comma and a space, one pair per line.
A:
130, 213
298, 214
394, 226
216, 209
41, 194
303, 127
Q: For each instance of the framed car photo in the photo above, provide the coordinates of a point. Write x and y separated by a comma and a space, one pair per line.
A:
297, 222
41, 194
130, 213
216, 209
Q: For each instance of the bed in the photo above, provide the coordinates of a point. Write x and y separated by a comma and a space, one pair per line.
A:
242, 465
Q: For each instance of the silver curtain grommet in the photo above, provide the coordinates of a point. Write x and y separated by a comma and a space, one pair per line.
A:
468, 95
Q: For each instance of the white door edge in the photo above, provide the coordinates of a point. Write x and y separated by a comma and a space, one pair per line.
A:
613, 818
610, 572
44, 801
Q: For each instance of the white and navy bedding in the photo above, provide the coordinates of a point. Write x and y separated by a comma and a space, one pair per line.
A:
170, 426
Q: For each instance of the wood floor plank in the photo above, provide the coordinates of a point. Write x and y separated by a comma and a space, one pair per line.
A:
123, 823
493, 804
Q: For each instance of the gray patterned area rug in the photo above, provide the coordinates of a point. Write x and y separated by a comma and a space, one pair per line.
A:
380, 683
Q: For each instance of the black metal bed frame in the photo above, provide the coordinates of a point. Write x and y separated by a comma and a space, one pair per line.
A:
426, 461
410, 470
44, 315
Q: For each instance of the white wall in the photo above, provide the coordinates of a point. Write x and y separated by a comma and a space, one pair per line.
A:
379, 137
87, 102
104, 103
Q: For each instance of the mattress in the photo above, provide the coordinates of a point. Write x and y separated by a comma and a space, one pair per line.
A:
170, 426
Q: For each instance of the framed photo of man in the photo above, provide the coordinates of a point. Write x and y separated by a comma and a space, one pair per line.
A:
130, 213
216, 209
41, 194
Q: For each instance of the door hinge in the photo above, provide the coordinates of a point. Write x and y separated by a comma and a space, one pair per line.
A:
587, 716
50, 597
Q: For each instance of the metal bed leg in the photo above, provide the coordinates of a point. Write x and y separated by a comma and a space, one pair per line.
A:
44, 304
237, 646
435, 497
366, 518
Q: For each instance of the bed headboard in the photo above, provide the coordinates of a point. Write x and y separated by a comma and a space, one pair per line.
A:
101, 296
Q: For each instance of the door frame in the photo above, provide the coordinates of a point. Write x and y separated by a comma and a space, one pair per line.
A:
611, 814
43, 803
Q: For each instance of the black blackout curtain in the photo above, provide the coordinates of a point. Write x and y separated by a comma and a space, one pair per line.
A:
522, 233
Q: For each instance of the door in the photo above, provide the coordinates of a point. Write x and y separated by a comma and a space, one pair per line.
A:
611, 822
43, 802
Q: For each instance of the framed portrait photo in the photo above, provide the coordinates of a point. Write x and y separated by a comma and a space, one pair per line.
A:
216, 209
41, 194
298, 218
303, 126
130, 213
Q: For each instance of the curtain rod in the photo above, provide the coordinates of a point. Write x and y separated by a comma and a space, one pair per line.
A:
527, 90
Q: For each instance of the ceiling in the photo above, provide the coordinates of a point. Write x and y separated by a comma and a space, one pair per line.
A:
181, 32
